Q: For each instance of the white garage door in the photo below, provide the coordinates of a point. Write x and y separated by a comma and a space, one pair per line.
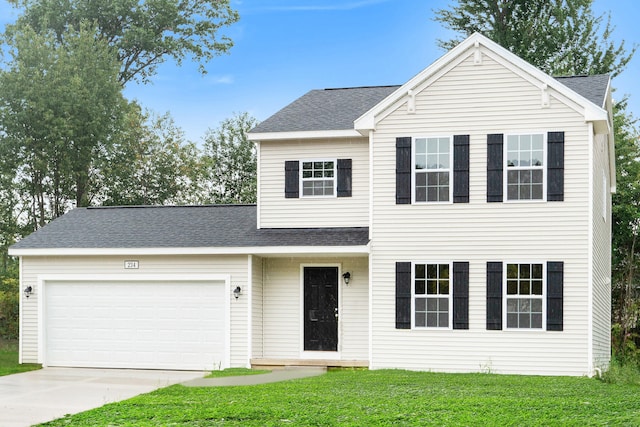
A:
143, 325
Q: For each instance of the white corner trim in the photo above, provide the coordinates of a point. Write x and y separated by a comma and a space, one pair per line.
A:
591, 147
20, 310
258, 181
249, 310
316, 134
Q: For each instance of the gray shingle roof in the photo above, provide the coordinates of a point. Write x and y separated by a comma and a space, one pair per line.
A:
594, 88
336, 109
325, 109
178, 227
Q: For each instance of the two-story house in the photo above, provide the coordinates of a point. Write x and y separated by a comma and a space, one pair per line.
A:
459, 222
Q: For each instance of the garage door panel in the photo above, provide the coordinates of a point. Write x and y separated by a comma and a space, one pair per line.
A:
135, 324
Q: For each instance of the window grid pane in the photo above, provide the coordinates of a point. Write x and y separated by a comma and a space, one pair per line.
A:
432, 159
525, 167
524, 299
432, 295
318, 178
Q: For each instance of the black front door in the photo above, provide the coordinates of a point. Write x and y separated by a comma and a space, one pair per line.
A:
321, 308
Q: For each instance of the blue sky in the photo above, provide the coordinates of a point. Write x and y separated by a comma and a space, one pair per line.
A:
283, 48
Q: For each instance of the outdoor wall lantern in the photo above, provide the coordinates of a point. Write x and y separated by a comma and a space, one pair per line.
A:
347, 277
27, 291
237, 292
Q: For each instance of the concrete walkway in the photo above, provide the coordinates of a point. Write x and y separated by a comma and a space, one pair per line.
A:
44, 395
277, 375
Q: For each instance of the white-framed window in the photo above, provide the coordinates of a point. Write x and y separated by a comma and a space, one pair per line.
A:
525, 166
432, 295
432, 165
524, 293
318, 177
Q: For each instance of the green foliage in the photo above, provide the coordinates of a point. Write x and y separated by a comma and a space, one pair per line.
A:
9, 359
623, 370
144, 33
561, 37
9, 308
387, 398
235, 372
151, 165
60, 104
625, 285
229, 162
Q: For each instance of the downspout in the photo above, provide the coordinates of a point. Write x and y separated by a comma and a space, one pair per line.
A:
20, 310
371, 175
249, 309
590, 256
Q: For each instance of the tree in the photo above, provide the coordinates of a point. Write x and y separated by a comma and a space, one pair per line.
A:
230, 166
152, 165
561, 37
60, 104
626, 230
145, 33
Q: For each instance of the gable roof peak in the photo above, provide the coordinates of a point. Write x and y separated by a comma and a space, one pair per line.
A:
592, 111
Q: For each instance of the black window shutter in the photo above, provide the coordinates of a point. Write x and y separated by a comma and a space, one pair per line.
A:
403, 295
494, 167
344, 178
494, 296
555, 166
460, 295
461, 169
555, 279
403, 171
291, 179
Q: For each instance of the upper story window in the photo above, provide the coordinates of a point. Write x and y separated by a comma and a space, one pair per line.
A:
524, 296
525, 167
318, 178
432, 292
432, 169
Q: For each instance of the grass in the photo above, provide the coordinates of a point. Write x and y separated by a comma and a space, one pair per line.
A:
380, 398
234, 372
9, 359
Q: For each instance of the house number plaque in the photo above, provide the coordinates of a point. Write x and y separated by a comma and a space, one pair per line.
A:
131, 264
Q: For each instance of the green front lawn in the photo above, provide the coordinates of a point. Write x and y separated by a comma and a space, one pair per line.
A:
9, 359
388, 398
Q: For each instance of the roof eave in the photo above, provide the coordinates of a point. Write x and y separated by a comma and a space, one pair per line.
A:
235, 250
315, 134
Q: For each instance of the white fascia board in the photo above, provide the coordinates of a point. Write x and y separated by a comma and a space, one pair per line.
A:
591, 111
254, 250
314, 134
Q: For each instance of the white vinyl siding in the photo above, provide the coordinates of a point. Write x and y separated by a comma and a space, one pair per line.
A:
281, 300
276, 211
601, 281
183, 266
478, 100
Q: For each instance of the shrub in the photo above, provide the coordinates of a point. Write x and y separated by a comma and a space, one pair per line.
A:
9, 308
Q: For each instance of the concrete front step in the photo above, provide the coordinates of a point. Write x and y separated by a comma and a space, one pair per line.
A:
325, 363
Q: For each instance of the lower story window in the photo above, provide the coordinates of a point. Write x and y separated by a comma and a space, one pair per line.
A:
524, 296
432, 295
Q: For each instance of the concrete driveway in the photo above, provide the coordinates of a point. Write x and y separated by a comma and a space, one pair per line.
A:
50, 393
